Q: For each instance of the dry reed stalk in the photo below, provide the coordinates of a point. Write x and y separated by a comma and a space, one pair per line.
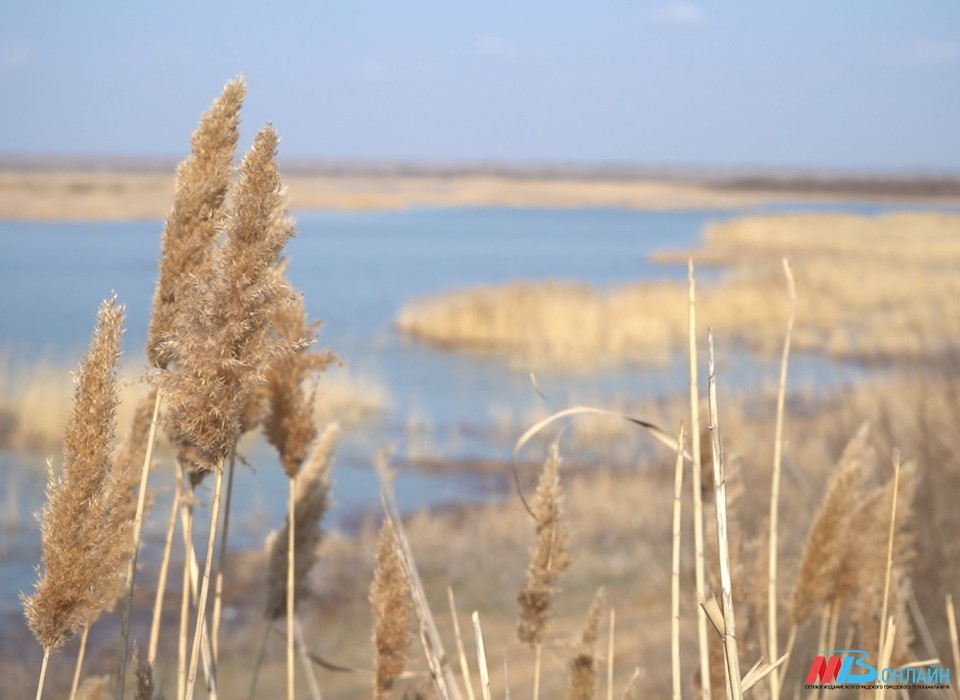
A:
461, 652
289, 425
392, 610
222, 560
731, 655
610, 638
548, 559
139, 449
193, 224
675, 570
772, 599
205, 584
481, 656
954, 638
822, 556
83, 544
312, 500
583, 665
79, 665
162, 575
862, 576
888, 569
186, 515
703, 642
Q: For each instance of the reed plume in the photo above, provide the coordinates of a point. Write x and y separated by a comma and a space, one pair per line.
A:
312, 502
392, 611
194, 223
222, 336
83, 547
583, 665
548, 559
223, 340
861, 576
823, 553
289, 424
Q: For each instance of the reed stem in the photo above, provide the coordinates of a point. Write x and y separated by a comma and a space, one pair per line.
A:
43, 673
482, 656
80, 654
205, 584
162, 577
772, 636
703, 640
675, 571
222, 563
291, 603
731, 654
461, 652
132, 567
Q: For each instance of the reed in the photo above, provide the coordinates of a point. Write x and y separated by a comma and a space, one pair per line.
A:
195, 220
548, 559
84, 543
392, 611
290, 427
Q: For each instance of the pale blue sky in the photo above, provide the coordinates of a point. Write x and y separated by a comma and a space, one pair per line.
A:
853, 84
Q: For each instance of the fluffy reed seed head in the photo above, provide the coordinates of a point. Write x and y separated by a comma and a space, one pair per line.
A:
311, 503
193, 224
289, 424
861, 575
548, 557
84, 549
223, 336
392, 611
583, 665
824, 551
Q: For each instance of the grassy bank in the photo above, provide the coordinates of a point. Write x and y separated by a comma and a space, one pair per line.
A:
871, 289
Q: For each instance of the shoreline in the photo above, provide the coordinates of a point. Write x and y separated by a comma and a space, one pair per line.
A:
89, 194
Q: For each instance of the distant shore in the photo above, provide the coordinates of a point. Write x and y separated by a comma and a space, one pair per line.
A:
55, 190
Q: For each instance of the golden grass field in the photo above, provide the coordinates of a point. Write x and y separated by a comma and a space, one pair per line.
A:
871, 288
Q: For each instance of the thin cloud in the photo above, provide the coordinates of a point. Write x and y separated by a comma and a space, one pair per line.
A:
678, 12
924, 53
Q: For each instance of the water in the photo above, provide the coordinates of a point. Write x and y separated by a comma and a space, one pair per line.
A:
356, 271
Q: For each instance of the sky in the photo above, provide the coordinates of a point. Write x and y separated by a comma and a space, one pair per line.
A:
863, 85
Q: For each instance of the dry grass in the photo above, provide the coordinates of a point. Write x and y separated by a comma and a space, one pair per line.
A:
35, 399
871, 288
